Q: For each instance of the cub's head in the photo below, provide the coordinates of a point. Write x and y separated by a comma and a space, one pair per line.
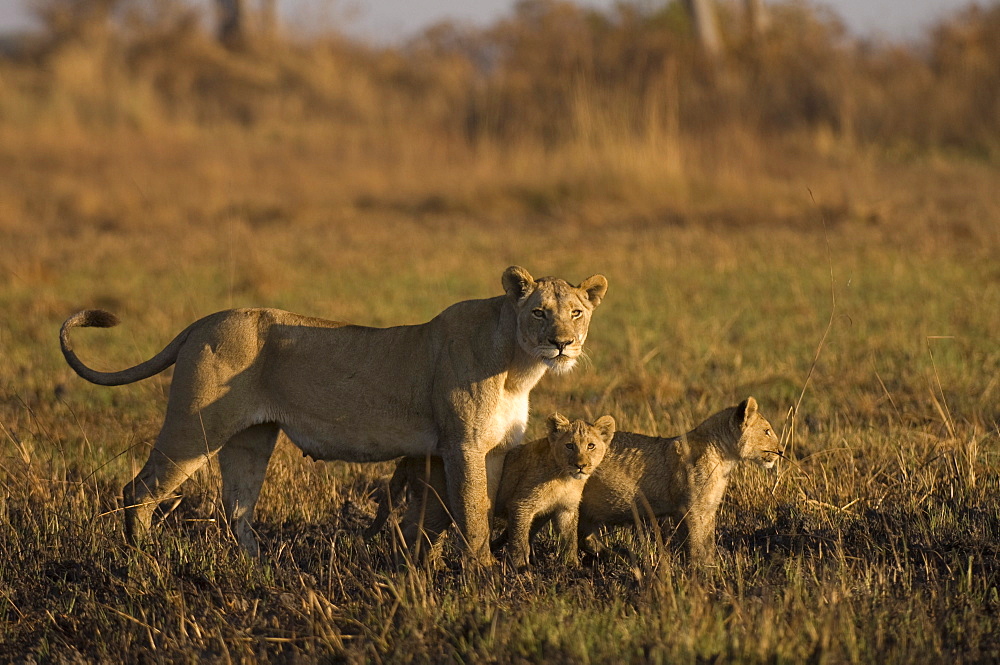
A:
553, 316
756, 440
578, 446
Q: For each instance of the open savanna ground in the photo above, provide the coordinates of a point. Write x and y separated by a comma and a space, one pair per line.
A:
839, 270
879, 538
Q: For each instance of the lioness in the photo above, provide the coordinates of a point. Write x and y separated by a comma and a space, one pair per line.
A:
542, 481
683, 477
456, 387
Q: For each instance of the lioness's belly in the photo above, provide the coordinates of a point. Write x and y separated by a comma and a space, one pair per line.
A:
361, 446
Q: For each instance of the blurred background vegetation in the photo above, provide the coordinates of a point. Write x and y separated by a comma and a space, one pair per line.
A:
552, 78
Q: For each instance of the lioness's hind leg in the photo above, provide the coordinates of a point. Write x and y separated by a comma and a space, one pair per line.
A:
183, 445
157, 480
243, 465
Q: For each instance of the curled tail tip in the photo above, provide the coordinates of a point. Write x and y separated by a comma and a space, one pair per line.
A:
92, 318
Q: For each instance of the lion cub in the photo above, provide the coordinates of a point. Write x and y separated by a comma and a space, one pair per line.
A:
541, 481
683, 477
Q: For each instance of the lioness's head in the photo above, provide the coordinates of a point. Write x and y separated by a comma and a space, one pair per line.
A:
579, 446
553, 316
757, 441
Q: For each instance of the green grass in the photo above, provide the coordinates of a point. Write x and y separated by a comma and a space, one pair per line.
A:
879, 540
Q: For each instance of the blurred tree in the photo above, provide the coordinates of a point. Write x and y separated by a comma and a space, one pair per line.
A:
239, 24
86, 20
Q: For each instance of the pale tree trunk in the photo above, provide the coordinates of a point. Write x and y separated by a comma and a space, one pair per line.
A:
706, 28
756, 18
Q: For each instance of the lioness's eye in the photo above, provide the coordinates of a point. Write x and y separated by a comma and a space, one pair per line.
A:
577, 313
590, 446
767, 431
538, 313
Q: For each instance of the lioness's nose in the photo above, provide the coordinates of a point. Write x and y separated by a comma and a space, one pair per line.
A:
560, 344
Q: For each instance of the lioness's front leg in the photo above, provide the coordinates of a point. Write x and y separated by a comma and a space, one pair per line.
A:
465, 472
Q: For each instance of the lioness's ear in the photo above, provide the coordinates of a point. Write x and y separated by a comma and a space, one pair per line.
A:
517, 282
605, 426
745, 411
557, 423
595, 286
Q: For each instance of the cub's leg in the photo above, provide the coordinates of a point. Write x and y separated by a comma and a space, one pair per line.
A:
701, 538
566, 529
243, 464
390, 496
494, 473
427, 516
586, 537
519, 531
423, 529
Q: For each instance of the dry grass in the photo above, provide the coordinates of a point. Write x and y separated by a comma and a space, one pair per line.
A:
725, 249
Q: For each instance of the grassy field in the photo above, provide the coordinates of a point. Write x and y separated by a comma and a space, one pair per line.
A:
856, 283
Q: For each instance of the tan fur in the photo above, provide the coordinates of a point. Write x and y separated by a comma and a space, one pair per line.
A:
455, 387
683, 478
542, 481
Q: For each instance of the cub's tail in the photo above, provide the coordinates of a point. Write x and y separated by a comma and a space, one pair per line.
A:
97, 318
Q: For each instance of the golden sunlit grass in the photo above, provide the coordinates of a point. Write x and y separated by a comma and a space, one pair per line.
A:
729, 248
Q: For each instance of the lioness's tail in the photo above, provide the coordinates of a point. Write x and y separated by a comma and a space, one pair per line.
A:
96, 318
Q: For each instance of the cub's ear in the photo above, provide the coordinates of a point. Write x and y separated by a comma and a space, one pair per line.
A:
595, 286
746, 411
517, 282
605, 426
557, 423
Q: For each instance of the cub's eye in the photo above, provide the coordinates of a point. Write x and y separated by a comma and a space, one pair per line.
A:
538, 313
577, 313
590, 446
767, 431
570, 446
